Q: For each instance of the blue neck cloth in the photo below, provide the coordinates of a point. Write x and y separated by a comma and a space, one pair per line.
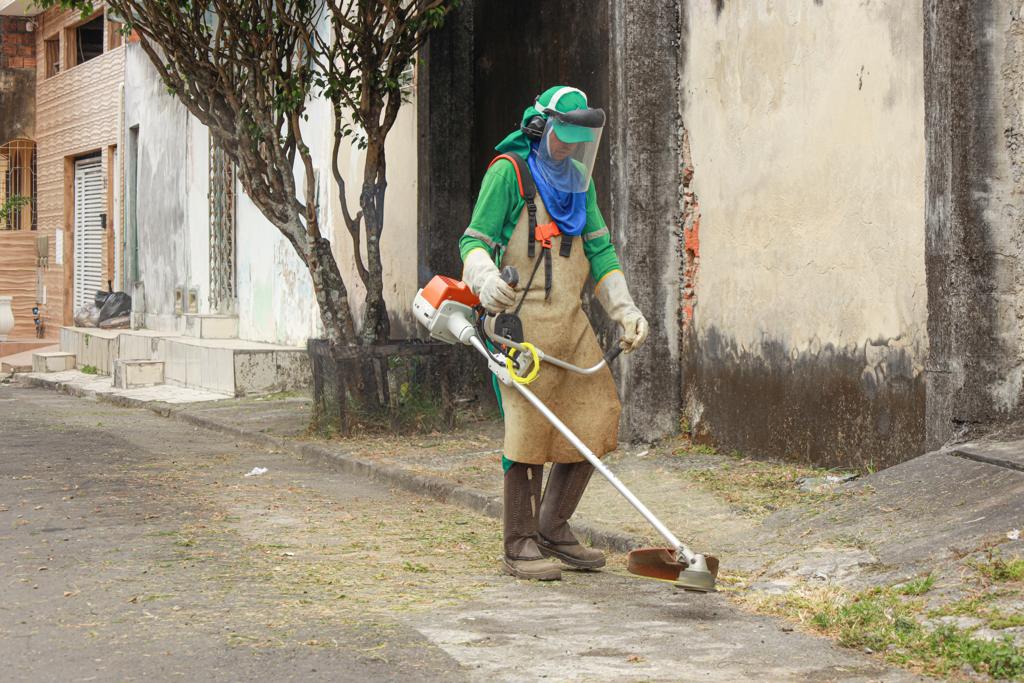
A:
567, 209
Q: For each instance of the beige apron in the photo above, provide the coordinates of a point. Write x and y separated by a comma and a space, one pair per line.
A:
587, 404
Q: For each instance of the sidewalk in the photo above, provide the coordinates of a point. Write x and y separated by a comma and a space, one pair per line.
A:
791, 542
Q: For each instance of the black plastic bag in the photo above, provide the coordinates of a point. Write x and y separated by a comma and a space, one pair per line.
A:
116, 304
100, 297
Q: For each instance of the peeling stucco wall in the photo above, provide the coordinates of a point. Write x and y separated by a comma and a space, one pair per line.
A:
805, 123
275, 300
274, 292
645, 39
163, 228
399, 241
974, 56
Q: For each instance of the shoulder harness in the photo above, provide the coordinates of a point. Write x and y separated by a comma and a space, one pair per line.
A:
537, 233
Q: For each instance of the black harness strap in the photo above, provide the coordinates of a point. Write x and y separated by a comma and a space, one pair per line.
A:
528, 191
566, 247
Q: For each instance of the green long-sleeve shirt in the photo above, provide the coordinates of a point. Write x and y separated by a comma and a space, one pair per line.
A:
498, 209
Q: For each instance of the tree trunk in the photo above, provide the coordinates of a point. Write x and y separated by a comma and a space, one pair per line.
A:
331, 294
344, 379
376, 325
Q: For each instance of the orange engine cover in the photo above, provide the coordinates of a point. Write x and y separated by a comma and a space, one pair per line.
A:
441, 289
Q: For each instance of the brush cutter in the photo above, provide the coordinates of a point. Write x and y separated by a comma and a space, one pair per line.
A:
452, 314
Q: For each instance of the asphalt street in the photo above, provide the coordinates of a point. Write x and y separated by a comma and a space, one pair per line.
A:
135, 547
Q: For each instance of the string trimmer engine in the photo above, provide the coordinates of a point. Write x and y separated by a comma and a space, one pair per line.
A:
446, 308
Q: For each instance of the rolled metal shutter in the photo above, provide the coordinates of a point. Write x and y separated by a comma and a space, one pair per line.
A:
90, 233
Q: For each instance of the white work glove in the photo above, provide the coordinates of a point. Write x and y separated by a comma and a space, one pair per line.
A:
482, 276
614, 296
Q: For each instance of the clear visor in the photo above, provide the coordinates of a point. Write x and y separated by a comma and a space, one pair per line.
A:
567, 153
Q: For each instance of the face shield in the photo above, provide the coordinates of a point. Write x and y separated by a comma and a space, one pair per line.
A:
568, 148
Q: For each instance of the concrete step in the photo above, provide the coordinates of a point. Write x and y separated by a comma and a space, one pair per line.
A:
101, 348
232, 366
211, 326
130, 374
91, 346
21, 361
52, 361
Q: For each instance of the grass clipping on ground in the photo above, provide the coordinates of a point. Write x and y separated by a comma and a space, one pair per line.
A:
384, 561
755, 488
900, 624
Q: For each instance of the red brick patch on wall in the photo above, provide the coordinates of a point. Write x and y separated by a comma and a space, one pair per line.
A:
17, 43
691, 237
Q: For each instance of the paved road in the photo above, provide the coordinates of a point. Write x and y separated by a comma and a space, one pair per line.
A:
133, 547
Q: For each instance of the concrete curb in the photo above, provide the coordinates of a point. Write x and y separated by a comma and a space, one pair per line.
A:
432, 487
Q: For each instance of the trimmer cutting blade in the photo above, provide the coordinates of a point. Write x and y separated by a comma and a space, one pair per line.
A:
662, 563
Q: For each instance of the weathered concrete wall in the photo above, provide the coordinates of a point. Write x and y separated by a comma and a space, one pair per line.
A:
645, 40
163, 228
275, 300
17, 104
805, 252
398, 244
275, 293
445, 76
623, 55
974, 78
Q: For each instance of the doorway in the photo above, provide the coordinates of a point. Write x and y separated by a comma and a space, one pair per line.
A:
89, 230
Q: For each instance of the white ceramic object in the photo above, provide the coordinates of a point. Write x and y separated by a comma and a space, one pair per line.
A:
6, 317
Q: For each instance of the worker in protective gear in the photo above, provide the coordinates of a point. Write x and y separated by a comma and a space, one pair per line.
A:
558, 140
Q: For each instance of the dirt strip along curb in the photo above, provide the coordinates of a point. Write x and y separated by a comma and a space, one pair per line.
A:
432, 487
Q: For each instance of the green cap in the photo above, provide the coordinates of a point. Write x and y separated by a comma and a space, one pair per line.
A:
565, 99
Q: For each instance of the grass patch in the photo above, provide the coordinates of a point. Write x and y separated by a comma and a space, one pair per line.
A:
918, 586
981, 606
997, 568
89, 370
1000, 659
965, 607
885, 621
999, 620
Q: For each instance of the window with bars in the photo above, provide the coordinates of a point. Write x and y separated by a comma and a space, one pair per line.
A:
18, 189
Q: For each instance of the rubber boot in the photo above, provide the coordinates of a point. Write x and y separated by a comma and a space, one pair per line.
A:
522, 501
565, 488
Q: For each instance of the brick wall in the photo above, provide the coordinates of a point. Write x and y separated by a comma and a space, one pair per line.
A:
17, 43
76, 114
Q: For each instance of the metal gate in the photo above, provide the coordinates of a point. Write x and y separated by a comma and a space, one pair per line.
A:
90, 232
